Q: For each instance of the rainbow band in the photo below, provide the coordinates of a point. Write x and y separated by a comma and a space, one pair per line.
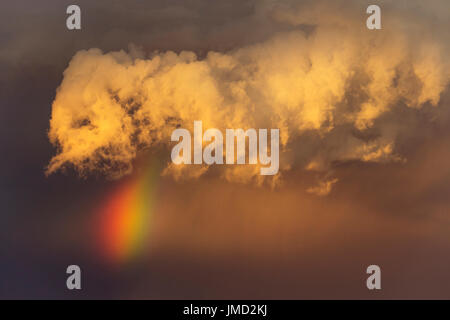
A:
125, 217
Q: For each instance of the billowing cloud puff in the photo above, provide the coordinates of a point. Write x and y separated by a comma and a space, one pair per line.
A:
327, 83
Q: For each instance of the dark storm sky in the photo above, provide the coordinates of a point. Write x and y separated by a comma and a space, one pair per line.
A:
212, 239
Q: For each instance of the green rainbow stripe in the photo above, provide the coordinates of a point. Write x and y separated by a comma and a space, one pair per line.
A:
125, 217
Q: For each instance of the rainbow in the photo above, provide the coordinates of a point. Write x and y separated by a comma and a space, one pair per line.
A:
125, 217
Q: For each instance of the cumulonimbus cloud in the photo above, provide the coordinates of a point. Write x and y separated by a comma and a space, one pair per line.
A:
327, 77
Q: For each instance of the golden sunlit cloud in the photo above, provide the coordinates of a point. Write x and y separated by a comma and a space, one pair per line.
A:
330, 82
